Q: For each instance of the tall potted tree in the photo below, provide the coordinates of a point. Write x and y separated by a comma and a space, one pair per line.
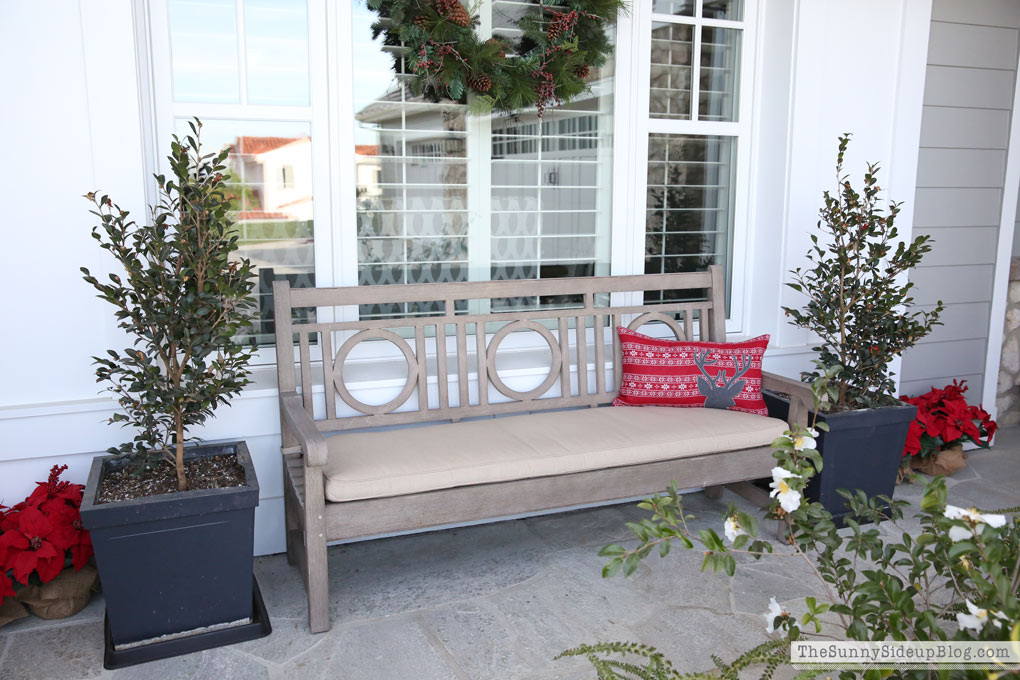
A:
861, 310
173, 524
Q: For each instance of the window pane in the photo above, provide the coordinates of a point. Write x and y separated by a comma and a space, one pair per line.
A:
732, 10
671, 57
689, 212
203, 39
720, 74
676, 7
411, 160
276, 46
541, 185
550, 192
270, 189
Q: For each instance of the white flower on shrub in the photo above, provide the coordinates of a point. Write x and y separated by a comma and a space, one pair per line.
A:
770, 616
973, 518
813, 432
788, 498
977, 618
733, 528
804, 441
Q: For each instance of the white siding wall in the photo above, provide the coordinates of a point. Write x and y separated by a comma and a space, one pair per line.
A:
972, 59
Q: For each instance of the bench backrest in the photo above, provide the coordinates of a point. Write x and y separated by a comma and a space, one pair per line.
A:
577, 336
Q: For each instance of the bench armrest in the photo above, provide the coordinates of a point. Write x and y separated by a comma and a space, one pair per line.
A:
313, 444
802, 399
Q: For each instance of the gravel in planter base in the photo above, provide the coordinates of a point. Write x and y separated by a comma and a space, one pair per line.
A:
213, 472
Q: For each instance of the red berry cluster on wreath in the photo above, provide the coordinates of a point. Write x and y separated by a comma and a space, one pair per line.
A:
562, 23
546, 89
38, 534
432, 64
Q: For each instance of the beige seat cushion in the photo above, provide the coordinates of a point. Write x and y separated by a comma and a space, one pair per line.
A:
415, 459
367, 465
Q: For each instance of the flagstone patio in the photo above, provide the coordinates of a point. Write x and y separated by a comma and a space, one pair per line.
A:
491, 601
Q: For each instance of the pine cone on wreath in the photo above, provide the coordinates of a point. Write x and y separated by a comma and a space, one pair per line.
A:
422, 21
502, 47
454, 12
480, 82
582, 71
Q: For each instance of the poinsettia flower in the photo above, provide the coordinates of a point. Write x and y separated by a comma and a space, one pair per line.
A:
789, 499
40, 555
913, 443
11, 540
6, 586
81, 552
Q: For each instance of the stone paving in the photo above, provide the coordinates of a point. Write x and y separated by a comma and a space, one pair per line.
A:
491, 601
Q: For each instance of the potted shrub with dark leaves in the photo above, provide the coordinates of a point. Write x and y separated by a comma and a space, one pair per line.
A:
173, 524
860, 308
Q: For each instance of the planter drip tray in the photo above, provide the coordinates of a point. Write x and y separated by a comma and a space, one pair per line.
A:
258, 627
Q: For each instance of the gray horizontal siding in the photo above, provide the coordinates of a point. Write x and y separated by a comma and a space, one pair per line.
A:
962, 321
953, 285
957, 207
998, 13
972, 59
956, 168
968, 87
960, 245
964, 128
972, 46
953, 358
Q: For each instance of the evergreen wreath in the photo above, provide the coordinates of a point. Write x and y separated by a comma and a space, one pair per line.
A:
561, 42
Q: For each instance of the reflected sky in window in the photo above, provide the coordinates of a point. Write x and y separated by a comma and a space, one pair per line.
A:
206, 43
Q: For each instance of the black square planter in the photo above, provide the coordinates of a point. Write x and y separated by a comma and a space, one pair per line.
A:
175, 562
861, 451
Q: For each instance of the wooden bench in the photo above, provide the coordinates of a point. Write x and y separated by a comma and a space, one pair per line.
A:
538, 459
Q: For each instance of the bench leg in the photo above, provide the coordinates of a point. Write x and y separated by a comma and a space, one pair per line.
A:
713, 492
293, 545
316, 568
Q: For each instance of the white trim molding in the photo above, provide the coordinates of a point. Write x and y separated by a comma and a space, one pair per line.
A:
1003, 257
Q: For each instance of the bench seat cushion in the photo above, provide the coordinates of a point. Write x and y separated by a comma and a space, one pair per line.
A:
415, 459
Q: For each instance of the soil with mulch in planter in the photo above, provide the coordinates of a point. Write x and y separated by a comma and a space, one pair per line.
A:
214, 472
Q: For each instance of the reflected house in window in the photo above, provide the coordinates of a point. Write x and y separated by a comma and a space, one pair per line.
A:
544, 185
271, 192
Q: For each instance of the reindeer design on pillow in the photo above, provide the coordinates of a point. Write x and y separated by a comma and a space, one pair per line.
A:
721, 391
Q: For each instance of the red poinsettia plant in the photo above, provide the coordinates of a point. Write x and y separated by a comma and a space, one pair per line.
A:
43, 534
945, 419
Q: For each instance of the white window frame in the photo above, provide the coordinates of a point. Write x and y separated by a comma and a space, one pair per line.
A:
640, 125
331, 115
166, 112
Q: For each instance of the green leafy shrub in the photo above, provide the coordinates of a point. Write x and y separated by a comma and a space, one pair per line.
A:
182, 296
955, 580
858, 303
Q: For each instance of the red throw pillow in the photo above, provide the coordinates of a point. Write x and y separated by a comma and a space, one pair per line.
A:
724, 375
